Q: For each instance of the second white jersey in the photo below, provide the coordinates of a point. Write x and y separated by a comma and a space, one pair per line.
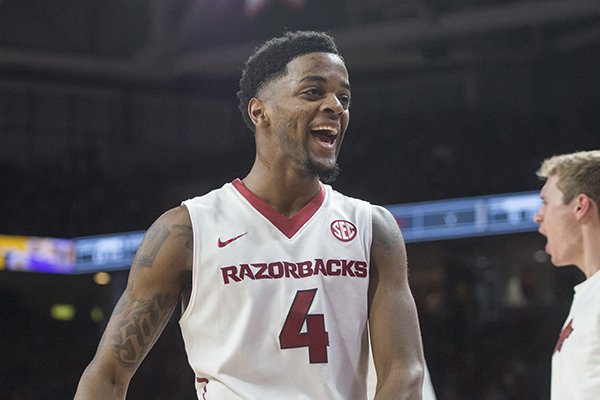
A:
576, 358
278, 308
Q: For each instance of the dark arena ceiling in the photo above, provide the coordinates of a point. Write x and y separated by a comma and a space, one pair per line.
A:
130, 105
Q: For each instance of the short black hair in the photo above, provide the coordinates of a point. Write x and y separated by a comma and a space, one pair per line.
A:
270, 60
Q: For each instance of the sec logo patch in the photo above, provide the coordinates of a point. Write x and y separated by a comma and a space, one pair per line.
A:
343, 230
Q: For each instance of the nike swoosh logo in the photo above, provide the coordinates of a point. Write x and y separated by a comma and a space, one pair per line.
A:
221, 243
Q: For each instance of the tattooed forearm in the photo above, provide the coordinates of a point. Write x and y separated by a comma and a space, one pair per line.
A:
140, 326
153, 241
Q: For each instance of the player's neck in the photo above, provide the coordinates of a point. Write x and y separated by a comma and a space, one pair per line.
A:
591, 250
591, 262
287, 193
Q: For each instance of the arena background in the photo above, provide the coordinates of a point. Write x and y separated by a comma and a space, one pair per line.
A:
112, 112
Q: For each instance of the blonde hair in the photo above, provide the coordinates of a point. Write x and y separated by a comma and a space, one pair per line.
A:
577, 172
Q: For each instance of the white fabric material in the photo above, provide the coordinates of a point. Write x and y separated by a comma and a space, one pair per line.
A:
576, 365
243, 291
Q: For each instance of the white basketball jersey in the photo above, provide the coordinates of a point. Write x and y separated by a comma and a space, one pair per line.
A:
278, 308
576, 358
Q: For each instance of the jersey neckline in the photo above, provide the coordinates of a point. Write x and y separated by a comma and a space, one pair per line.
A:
287, 225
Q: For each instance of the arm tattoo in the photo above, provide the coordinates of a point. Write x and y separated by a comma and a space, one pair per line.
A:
151, 244
185, 234
139, 328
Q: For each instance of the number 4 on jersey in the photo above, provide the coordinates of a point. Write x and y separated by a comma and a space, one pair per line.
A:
315, 338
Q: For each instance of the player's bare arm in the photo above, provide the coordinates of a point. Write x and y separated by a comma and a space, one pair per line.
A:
393, 321
158, 280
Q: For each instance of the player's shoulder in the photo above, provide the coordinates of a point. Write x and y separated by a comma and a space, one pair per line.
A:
178, 215
386, 231
214, 195
338, 196
382, 218
381, 214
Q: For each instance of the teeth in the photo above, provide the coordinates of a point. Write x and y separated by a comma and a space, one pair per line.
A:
332, 131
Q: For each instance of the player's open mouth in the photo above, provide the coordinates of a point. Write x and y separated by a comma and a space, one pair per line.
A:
325, 134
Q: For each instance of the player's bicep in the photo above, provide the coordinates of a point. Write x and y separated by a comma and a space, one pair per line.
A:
388, 257
163, 259
394, 326
154, 288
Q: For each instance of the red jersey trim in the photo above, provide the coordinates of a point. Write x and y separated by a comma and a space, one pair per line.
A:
287, 225
205, 381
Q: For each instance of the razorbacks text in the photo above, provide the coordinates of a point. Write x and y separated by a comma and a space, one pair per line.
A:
299, 270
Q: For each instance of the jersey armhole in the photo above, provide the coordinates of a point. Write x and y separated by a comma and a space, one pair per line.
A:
191, 301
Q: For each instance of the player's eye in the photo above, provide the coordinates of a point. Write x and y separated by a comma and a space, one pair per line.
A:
344, 100
313, 92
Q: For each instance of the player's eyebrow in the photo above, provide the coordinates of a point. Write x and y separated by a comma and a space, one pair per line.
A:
318, 78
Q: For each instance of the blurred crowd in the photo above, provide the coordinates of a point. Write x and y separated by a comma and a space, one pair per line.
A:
478, 345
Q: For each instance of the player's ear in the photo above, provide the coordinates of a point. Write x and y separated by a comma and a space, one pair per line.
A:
256, 111
582, 205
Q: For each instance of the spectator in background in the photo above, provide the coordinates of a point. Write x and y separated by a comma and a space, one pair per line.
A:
569, 218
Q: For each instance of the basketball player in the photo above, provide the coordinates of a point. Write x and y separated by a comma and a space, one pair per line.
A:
570, 220
282, 279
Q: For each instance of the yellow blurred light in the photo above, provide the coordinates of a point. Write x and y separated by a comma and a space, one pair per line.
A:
96, 314
63, 312
102, 278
